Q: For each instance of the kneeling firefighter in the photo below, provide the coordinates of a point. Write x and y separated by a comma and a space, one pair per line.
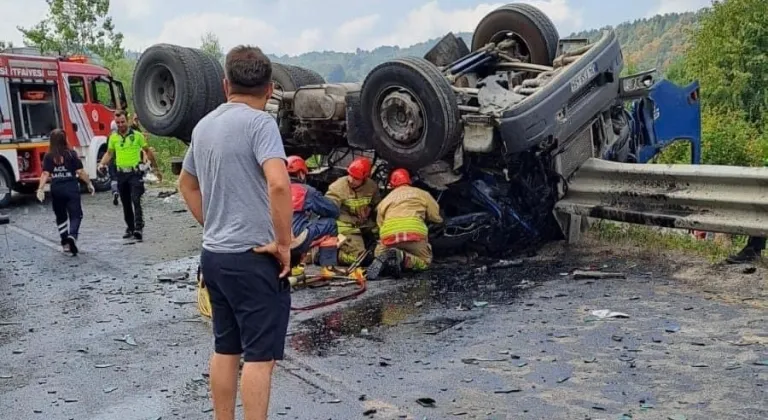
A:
356, 195
402, 218
308, 231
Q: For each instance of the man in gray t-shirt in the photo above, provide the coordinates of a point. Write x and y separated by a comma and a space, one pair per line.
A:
232, 143
236, 185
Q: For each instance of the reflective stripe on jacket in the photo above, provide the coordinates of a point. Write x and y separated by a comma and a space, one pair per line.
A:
403, 213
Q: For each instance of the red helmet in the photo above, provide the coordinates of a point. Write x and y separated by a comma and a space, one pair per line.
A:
360, 168
399, 177
296, 165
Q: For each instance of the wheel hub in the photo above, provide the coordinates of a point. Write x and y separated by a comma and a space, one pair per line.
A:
401, 118
161, 91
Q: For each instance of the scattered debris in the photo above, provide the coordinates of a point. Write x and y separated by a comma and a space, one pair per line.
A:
607, 313
672, 328
103, 365
749, 270
475, 360
506, 390
127, 339
173, 277
761, 363
597, 275
426, 402
110, 389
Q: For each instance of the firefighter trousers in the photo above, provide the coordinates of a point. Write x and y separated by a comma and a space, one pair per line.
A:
352, 247
417, 255
131, 188
68, 209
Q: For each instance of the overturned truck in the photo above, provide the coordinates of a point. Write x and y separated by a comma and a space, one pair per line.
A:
494, 129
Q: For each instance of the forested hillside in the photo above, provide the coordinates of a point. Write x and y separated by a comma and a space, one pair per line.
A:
647, 43
653, 42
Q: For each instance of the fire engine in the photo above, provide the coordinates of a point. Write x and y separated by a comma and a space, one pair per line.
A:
40, 93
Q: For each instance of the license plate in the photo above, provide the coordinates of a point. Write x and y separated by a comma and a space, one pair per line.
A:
583, 77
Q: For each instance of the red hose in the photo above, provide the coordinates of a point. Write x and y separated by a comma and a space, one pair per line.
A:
362, 287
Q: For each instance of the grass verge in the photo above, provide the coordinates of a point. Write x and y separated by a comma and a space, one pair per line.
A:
648, 237
165, 149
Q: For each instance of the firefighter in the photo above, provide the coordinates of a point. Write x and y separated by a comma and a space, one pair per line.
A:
308, 202
754, 248
402, 217
63, 167
356, 195
126, 146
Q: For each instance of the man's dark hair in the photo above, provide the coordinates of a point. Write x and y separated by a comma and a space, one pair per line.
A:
121, 113
248, 70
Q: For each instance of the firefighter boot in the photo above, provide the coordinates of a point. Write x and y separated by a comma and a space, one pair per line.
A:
391, 259
750, 253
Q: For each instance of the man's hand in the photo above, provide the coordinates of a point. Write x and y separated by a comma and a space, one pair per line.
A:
91, 189
282, 253
40, 195
101, 168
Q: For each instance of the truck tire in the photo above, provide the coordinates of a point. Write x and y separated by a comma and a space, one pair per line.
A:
168, 90
213, 76
290, 78
412, 112
528, 23
6, 181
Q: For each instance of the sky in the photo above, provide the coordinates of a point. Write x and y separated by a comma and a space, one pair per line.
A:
298, 26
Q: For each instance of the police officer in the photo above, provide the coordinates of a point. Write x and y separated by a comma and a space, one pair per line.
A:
63, 167
113, 172
126, 145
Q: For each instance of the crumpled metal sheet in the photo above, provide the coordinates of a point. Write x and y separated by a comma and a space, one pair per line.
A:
713, 198
493, 98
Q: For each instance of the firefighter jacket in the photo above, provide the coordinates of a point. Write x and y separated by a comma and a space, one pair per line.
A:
307, 201
355, 205
403, 213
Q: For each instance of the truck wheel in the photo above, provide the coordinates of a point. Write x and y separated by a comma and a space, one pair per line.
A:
412, 112
289, 78
167, 92
213, 76
101, 182
527, 23
6, 181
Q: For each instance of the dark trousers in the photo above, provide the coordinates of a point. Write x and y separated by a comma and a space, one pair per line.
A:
758, 244
130, 185
113, 176
68, 209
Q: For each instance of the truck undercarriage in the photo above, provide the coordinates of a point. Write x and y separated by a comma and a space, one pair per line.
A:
494, 131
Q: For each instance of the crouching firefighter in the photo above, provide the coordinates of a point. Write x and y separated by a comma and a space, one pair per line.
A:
356, 195
309, 231
402, 217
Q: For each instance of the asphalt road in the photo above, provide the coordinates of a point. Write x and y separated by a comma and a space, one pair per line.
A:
98, 336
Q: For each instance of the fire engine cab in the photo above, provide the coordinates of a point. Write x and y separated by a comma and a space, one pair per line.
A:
41, 93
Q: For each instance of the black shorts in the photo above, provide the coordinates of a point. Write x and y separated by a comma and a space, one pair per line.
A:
250, 305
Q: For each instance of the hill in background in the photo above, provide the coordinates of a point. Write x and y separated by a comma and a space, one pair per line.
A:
647, 43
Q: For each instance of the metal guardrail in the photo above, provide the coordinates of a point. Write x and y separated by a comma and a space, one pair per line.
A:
713, 198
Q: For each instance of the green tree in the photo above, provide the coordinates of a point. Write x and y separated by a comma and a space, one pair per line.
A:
209, 44
4, 45
77, 27
729, 56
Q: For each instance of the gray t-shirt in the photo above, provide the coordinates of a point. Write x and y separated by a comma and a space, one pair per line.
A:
228, 147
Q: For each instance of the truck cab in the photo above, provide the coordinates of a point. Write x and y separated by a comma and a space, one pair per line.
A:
41, 93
